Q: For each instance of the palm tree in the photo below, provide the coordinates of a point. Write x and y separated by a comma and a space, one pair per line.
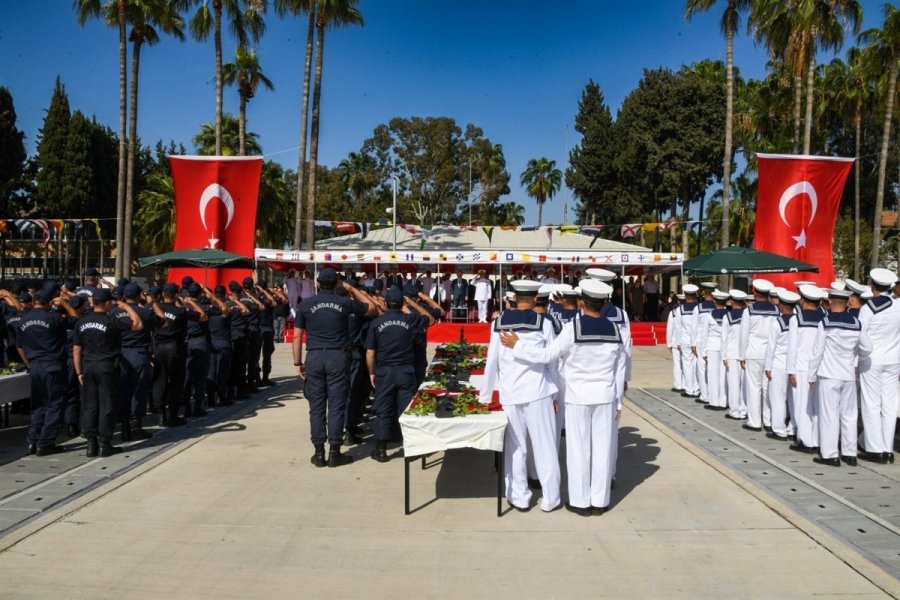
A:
247, 74
329, 13
541, 180
155, 219
356, 174
730, 21
882, 55
144, 16
87, 9
299, 7
246, 23
205, 141
743, 207
512, 213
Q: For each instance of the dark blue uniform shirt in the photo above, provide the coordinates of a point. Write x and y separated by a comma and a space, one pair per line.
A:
138, 340
176, 317
324, 317
391, 336
220, 324
100, 336
42, 335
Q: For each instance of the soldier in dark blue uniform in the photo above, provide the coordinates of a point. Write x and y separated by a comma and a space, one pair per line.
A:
220, 326
41, 340
390, 352
239, 345
73, 387
324, 318
97, 346
254, 332
266, 331
11, 307
360, 388
197, 356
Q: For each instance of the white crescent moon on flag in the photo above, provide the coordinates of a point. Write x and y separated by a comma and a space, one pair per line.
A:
801, 187
214, 190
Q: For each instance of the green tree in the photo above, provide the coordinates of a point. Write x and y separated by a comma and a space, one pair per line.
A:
230, 145
246, 73
53, 168
883, 55
357, 173
541, 180
154, 220
512, 213
730, 22
488, 174
330, 14
246, 22
12, 152
276, 206
78, 190
297, 8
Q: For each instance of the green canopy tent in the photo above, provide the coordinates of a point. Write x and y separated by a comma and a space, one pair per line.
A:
204, 258
737, 260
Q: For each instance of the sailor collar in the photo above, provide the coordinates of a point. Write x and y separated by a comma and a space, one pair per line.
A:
842, 320
519, 320
879, 303
596, 330
809, 317
763, 309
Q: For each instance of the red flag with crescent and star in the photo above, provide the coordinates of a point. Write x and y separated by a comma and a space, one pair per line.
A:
796, 208
215, 207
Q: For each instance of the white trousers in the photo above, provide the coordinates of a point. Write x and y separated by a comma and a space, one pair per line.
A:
482, 311
702, 381
779, 397
734, 378
535, 421
589, 435
755, 390
803, 411
677, 378
715, 378
837, 417
689, 371
878, 406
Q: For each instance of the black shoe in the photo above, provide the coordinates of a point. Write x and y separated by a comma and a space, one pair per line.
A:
318, 459
337, 459
767, 428
126, 434
266, 383
878, 457
733, 418
379, 454
175, 422
584, 512
831, 462
521, 510
751, 428
534, 484
675, 389
801, 447
351, 438
107, 449
710, 407
93, 448
597, 510
30, 450
792, 437
73, 431
49, 450
774, 436
850, 460
137, 430
612, 484
889, 456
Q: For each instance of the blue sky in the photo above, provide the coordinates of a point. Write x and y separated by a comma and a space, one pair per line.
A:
515, 68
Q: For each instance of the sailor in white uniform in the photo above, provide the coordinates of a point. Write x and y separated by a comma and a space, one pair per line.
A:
709, 344
754, 335
704, 305
526, 393
731, 357
686, 315
483, 292
879, 372
673, 334
805, 399
839, 344
593, 356
780, 349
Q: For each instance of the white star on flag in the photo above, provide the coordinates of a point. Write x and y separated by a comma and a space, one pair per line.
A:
800, 239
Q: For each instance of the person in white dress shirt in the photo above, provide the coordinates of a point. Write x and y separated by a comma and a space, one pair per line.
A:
686, 315
731, 357
526, 393
709, 346
593, 356
549, 277
780, 348
673, 334
806, 399
839, 344
752, 347
483, 293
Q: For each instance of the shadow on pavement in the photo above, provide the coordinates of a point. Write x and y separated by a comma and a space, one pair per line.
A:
635, 464
464, 473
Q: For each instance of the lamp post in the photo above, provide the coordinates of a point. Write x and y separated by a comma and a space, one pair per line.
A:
395, 181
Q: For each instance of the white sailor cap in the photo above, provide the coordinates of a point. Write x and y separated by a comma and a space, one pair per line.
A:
690, 289
799, 284
594, 288
565, 289
510, 295
788, 297
762, 285
525, 287
833, 293
773, 293
577, 290
854, 286
600, 274
679, 296
737, 295
545, 289
884, 277
812, 293
837, 285
709, 285
867, 294
720, 295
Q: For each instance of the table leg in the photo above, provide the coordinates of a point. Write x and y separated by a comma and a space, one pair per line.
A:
498, 460
406, 484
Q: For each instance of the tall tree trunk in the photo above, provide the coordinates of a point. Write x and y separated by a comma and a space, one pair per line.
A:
729, 124
798, 103
304, 120
540, 213
882, 162
856, 190
217, 9
810, 84
314, 140
700, 226
242, 127
132, 151
123, 148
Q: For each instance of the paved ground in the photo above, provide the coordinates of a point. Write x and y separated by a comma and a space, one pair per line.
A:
237, 511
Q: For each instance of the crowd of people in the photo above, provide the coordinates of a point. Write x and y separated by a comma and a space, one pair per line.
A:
808, 367
102, 356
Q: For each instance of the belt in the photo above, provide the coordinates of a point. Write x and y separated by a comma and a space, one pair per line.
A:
317, 349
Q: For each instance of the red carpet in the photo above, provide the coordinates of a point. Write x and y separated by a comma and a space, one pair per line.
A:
642, 334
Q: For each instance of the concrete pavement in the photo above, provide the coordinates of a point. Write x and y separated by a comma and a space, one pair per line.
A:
241, 513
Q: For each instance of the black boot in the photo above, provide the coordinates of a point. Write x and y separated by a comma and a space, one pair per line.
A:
125, 434
352, 438
137, 430
73, 430
318, 459
380, 452
198, 410
93, 449
336, 459
173, 419
107, 449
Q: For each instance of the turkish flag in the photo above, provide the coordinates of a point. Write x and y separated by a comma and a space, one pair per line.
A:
796, 208
215, 207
